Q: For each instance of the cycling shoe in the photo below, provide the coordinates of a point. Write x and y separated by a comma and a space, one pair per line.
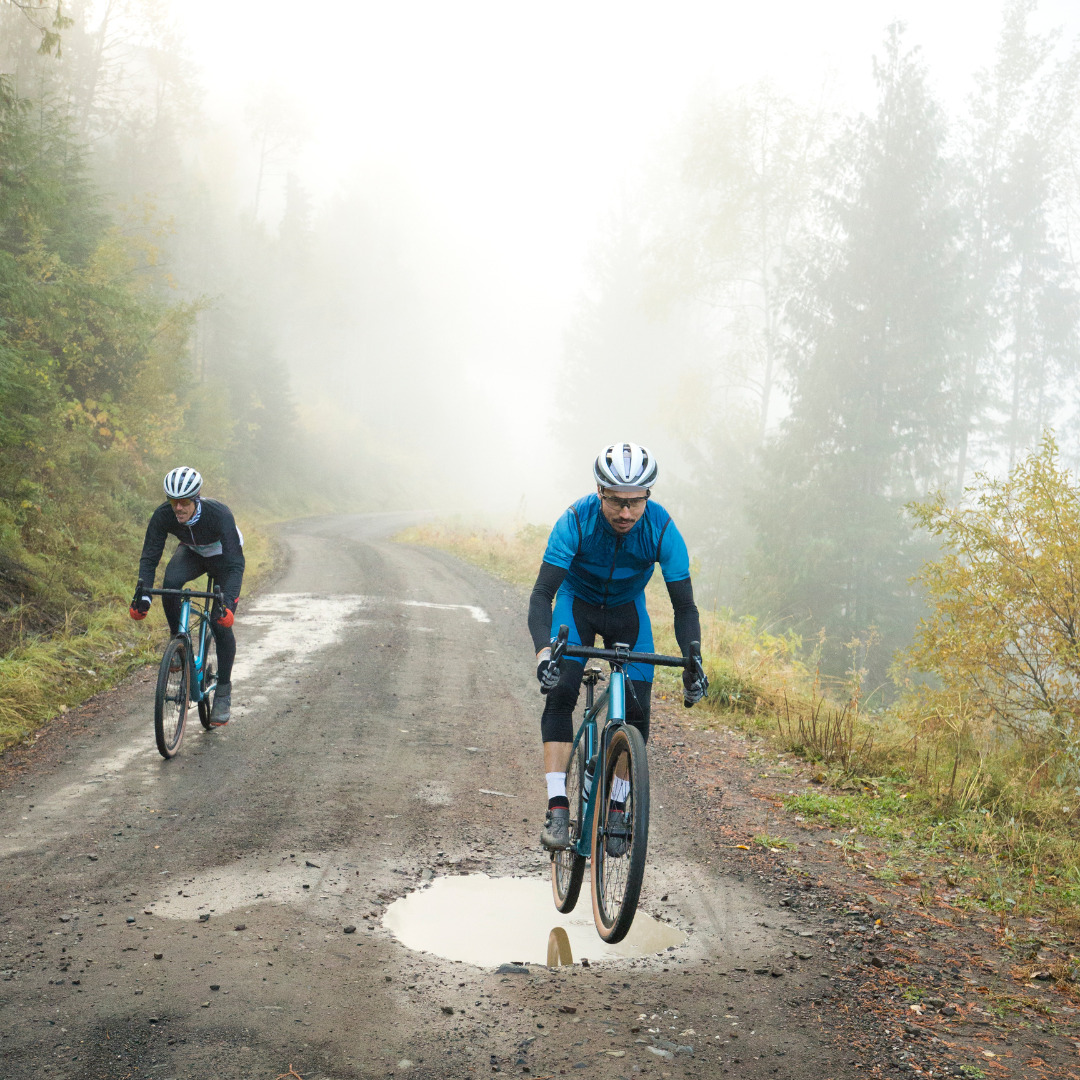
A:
219, 714
556, 832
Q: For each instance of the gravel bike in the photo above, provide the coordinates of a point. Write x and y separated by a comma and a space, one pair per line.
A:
188, 670
607, 784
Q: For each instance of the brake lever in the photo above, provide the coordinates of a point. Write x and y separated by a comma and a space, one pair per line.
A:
138, 593
694, 658
559, 647
695, 655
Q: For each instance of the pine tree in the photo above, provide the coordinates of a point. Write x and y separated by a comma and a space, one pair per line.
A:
1022, 341
875, 318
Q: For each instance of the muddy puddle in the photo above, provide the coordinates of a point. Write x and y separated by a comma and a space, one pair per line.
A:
491, 921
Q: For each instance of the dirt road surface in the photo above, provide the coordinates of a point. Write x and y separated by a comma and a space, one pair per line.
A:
187, 919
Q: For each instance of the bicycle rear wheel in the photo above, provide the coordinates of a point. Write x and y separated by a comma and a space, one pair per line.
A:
209, 679
568, 867
171, 699
620, 834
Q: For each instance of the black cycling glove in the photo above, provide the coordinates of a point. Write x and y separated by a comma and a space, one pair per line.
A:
695, 686
548, 674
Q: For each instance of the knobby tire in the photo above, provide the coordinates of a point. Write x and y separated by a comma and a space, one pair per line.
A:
568, 867
171, 699
617, 876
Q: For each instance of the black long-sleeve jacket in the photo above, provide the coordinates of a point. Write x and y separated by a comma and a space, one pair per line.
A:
214, 536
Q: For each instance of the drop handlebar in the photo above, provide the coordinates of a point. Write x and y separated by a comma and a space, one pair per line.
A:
621, 655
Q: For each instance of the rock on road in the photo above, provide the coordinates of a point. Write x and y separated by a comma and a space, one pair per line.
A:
186, 919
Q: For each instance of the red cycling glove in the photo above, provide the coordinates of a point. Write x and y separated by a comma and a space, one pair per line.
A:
227, 618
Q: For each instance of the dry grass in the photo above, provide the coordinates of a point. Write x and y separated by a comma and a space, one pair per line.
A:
513, 556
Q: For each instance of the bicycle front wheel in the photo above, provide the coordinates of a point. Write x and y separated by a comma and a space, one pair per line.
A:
568, 867
171, 699
620, 834
209, 681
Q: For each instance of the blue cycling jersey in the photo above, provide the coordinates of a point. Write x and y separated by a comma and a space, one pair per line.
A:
607, 569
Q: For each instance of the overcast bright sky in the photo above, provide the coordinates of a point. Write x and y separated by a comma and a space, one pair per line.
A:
513, 127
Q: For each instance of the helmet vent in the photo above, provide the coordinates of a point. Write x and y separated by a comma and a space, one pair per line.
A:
625, 465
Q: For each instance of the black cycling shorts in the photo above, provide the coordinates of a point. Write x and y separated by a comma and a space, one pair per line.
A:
624, 625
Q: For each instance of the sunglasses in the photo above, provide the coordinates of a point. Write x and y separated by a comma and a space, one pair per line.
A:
625, 504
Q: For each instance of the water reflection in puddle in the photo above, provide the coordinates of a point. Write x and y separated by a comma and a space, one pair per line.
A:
490, 921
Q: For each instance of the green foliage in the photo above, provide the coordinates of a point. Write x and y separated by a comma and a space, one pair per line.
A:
730, 690
774, 843
94, 399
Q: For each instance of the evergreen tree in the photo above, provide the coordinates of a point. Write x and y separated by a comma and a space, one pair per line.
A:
93, 366
875, 317
1021, 346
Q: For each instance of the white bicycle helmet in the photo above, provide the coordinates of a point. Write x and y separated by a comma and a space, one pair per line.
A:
625, 465
183, 483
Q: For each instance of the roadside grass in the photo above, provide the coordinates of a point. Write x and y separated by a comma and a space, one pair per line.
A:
514, 557
774, 843
952, 811
94, 644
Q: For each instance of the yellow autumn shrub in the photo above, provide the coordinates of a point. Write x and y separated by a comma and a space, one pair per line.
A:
1004, 629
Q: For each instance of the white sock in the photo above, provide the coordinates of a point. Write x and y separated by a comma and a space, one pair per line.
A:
556, 782
619, 789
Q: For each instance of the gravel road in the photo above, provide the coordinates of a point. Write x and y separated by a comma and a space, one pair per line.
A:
188, 919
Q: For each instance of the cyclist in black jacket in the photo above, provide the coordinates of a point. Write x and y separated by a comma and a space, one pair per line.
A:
210, 543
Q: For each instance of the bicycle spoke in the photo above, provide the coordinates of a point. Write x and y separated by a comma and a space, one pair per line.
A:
620, 836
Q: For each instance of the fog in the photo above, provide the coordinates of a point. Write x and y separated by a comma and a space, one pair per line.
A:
492, 143
819, 258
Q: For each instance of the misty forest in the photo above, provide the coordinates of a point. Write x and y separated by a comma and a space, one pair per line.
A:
838, 328
328, 321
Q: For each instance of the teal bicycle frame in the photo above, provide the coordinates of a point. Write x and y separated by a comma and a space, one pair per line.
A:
197, 691
614, 696
615, 699
198, 653
612, 837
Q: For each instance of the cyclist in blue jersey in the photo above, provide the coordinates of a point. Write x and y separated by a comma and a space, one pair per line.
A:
599, 558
